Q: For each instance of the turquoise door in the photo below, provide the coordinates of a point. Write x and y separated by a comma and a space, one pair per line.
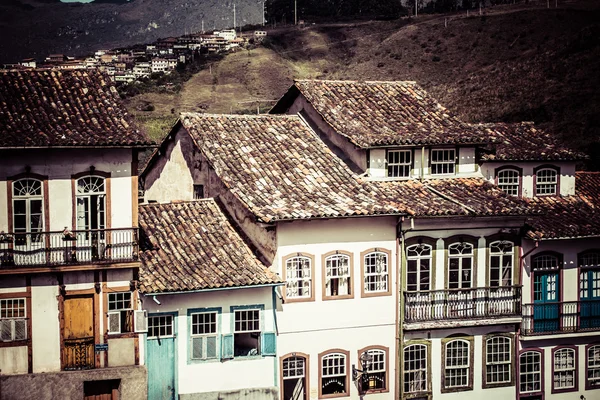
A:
546, 306
589, 283
160, 361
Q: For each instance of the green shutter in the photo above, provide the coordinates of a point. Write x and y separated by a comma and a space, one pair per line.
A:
269, 344
227, 346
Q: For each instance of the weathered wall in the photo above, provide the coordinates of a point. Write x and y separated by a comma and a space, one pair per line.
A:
69, 385
244, 394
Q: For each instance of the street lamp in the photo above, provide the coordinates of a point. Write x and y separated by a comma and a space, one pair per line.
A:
363, 374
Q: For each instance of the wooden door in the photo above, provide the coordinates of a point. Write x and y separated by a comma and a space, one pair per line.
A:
78, 333
161, 348
101, 390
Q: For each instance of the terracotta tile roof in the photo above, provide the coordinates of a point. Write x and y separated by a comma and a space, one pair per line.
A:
524, 141
383, 113
192, 246
280, 169
453, 197
587, 185
53, 108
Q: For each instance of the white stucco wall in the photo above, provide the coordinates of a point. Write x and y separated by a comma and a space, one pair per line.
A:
214, 375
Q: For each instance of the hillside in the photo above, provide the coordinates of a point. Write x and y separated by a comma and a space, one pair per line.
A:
514, 63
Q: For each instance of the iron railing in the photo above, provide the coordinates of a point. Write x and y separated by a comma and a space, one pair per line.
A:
561, 317
76, 247
457, 304
78, 354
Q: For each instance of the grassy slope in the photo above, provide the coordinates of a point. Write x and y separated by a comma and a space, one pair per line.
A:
512, 64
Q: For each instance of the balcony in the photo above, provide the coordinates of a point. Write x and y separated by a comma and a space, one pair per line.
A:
53, 249
561, 317
462, 307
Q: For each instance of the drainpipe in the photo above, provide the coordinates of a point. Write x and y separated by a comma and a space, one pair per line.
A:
422, 163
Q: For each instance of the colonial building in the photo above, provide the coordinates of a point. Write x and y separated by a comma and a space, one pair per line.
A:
69, 308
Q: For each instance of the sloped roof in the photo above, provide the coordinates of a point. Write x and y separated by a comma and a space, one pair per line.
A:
383, 113
280, 169
587, 185
55, 108
526, 142
192, 246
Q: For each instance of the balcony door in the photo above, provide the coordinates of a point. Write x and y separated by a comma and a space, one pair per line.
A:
589, 290
546, 293
28, 221
78, 333
91, 218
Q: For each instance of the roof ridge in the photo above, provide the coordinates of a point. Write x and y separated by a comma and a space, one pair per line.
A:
354, 81
240, 116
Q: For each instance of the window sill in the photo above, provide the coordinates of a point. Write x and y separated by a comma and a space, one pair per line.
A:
376, 294
287, 300
15, 343
333, 396
497, 385
456, 389
342, 297
375, 391
207, 361
125, 335
565, 390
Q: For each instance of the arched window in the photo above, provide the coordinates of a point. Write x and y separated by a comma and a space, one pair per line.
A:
376, 272
295, 377
334, 374
298, 278
457, 364
28, 206
415, 368
589, 275
376, 371
593, 367
546, 277
546, 182
91, 203
509, 181
337, 275
502, 255
498, 360
530, 372
460, 265
565, 369
418, 273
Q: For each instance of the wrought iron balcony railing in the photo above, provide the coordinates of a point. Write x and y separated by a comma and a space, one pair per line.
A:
78, 247
457, 304
78, 354
561, 317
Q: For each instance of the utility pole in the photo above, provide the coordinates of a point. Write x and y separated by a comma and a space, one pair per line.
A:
416, 7
234, 16
264, 12
295, 12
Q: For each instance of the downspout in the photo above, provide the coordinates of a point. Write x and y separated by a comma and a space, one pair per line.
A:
421, 176
274, 296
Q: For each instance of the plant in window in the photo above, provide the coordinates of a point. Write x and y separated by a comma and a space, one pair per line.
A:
337, 275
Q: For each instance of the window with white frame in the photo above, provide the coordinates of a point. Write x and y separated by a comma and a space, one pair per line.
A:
376, 272
460, 265
589, 278
203, 335
298, 278
593, 366
160, 326
13, 320
418, 273
457, 368
530, 372
334, 374
120, 312
293, 372
28, 208
337, 275
376, 371
443, 161
247, 330
565, 369
415, 368
399, 163
502, 255
508, 181
91, 203
546, 182
498, 360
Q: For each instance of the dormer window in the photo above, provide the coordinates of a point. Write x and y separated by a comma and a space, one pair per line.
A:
443, 161
399, 163
546, 181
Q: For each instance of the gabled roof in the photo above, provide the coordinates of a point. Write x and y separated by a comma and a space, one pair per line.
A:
587, 185
374, 114
526, 142
61, 108
192, 246
280, 169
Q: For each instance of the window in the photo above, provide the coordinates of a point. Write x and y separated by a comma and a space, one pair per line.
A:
203, 335
589, 276
498, 361
91, 203
334, 374
246, 340
530, 372
298, 278
375, 378
198, 192
508, 181
593, 367
415, 368
399, 163
337, 275
418, 267
546, 278
443, 161
565, 369
13, 320
294, 373
120, 312
28, 209
501, 263
457, 364
376, 272
160, 326
460, 265
546, 182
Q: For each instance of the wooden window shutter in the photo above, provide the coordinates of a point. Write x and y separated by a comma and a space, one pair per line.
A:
197, 348
140, 321
114, 322
5, 330
227, 346
211, 347
269, 344
20, 329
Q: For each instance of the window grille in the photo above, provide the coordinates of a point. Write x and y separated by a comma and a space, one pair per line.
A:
298, 279
501, 263
399, 163
419, 267
564, 369
457, 364
443, 161
376, 272
546, 182
333, 374
508, 181
337, 275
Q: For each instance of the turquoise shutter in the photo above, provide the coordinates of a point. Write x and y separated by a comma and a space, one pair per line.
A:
269, 344
227, 346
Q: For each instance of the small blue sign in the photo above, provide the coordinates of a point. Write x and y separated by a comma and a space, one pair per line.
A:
101, 347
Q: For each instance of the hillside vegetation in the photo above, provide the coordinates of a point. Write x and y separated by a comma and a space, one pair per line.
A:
512, 63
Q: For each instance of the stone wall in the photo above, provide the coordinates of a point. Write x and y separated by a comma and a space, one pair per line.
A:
243, 394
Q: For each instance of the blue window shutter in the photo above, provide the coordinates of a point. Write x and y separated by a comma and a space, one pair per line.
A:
269, 344
227, 346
